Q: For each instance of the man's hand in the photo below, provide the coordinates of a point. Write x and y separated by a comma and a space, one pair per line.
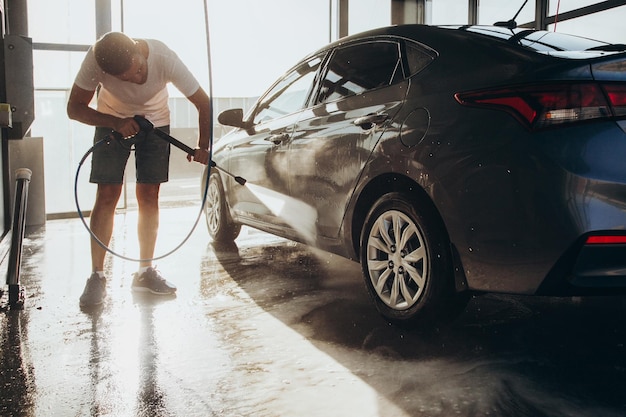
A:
200, 155
127, 127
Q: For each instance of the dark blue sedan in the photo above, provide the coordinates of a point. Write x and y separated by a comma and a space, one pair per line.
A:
446, 160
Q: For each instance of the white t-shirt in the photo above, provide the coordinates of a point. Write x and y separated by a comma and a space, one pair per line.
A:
126, 99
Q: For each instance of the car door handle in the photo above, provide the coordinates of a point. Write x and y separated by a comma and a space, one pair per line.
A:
278, 138
371, 120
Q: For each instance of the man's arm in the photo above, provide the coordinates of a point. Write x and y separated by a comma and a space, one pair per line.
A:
78, 109
201, 100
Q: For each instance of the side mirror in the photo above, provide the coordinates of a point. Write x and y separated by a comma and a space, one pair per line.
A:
232, 117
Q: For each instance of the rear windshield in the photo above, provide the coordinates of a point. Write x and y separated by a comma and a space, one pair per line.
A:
539, 40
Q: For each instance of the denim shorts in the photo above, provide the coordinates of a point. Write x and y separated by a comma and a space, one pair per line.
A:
152, 158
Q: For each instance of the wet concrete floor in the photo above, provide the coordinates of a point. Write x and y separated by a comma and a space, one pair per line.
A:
270, 328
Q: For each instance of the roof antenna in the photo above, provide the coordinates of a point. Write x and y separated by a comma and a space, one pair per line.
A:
511, 24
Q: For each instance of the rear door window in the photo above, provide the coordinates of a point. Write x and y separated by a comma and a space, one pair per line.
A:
359, 68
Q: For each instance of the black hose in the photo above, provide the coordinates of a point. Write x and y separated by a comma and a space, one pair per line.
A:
210, 74
106, 140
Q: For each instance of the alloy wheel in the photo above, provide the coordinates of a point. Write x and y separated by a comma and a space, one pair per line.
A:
397, 260
213, 208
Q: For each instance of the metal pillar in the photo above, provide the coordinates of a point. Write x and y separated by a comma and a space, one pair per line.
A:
17, 17
472, 12
343, 17
103, 17
541, 14
16, 295
408, 11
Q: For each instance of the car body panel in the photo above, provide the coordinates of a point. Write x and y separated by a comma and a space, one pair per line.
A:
328, 151
611, 68
247, 154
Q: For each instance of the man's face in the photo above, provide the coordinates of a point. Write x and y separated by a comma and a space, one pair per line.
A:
138, 71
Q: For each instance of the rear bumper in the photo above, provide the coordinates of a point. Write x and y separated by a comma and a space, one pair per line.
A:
600, 266
588, 269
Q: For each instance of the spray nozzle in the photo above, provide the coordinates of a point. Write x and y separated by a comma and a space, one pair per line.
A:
237, 178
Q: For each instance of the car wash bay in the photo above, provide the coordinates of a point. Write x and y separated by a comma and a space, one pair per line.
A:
267, 327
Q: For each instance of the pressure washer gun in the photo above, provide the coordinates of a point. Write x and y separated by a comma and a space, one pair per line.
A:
146, 126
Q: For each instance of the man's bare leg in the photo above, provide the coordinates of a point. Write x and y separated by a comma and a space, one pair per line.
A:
101, 221
148, 223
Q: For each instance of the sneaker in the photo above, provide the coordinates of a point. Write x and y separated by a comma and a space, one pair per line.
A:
152, 281
94, 292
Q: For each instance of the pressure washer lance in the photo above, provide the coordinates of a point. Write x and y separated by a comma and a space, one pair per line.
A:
146, 126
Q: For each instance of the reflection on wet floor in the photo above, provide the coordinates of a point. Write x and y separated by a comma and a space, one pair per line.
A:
267, 327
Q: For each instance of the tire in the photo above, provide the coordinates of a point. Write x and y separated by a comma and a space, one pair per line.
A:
219, 223
407, 263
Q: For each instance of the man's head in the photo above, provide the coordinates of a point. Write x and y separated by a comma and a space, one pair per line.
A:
120, 56
114, 52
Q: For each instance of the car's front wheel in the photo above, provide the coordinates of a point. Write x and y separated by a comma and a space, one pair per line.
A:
407, 263
219, 223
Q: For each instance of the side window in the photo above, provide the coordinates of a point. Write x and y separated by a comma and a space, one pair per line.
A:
416, 58
355, 69
289, 94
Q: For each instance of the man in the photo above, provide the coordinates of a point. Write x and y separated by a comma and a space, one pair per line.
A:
130, 78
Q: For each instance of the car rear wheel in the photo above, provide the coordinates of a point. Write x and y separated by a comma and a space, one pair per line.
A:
219, 223
407, 263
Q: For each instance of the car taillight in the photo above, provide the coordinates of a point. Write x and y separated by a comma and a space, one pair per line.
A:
617, 97
606, 240
540, 106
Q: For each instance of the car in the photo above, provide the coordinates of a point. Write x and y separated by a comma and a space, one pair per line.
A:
446, 160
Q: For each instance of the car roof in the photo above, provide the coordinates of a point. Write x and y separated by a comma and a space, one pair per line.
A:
538, 41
